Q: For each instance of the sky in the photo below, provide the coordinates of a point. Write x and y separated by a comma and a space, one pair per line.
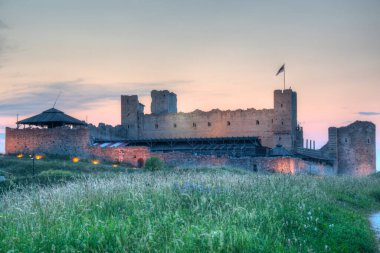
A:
213, 54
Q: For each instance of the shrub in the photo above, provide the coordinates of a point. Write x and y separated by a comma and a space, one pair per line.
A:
154, 163
56, 173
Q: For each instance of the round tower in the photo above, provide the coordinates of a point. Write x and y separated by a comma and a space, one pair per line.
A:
356, 145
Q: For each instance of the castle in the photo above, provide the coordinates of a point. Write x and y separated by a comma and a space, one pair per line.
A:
267, 139
272, 126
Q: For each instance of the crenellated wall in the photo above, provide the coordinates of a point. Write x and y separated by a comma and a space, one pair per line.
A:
272, 126
215, 123
105, 132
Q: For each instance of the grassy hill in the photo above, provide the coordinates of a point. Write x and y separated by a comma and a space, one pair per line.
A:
188, 210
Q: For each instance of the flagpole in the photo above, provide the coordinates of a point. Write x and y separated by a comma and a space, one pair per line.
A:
284, 78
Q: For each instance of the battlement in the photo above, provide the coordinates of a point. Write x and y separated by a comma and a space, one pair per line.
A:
272, 126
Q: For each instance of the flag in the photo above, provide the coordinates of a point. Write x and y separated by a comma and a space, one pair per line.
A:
282, 69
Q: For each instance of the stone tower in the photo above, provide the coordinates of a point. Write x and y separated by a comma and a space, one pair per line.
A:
163, 101
285, 128
132, 112
356, 149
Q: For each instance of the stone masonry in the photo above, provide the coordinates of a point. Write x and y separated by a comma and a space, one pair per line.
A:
350, 150
272, 126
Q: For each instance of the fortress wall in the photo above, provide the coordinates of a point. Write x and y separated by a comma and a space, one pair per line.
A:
56, 141
214, 123
130, 155
107, 133
356, 148
272, 126
264, 164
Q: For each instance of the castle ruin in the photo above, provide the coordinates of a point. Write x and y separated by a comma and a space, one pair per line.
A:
267, 139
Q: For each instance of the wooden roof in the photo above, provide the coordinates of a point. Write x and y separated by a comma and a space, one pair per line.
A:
52, 118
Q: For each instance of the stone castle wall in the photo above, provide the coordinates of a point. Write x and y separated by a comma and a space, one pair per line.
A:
290, 165
135, 156
272, 126
76, 142
105, 132
215, 123
69, 142
56, 141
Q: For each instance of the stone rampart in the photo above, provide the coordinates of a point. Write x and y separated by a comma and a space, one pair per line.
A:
215, 123
290, 165
135, 156
105, 132
56, 141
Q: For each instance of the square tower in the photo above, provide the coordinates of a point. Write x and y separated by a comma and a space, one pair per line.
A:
132, 112
163, 101
285, 119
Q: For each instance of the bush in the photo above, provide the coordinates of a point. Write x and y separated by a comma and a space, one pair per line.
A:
154, 163
55, 173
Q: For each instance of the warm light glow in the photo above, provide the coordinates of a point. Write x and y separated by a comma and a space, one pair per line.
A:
95, 162
38, 157
75, 159
115, 165
285, 166
20, 156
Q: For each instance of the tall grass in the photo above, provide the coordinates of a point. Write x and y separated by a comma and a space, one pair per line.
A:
211, 210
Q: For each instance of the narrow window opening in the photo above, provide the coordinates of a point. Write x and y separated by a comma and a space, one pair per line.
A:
257, 122
156, 126
282, 122
272, 121
368, 141
128, 126
228, 123
209, 124
345, 140
279, 138
175, 125
194, 125
281, 105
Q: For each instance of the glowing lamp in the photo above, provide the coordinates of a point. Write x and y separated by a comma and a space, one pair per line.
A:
38, 157
20, 156
95, 162
75, 159
115, 165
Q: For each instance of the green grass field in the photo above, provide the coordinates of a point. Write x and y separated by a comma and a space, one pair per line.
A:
186, 210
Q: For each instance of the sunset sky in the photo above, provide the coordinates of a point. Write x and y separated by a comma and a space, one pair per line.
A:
212, 53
